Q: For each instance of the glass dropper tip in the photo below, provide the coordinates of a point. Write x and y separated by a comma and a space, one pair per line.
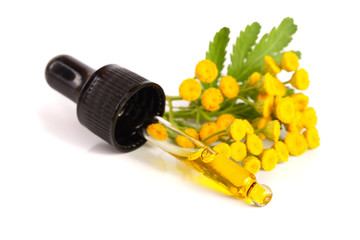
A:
260, 194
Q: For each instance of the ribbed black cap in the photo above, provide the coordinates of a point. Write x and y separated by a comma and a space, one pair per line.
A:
112, 102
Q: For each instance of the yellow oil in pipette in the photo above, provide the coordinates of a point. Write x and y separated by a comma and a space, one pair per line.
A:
227, 173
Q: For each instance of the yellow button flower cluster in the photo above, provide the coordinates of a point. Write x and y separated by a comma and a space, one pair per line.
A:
211, 98
236, 117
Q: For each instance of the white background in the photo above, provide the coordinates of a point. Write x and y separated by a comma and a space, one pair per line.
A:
59, 181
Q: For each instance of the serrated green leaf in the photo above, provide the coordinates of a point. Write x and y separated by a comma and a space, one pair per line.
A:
217, 51
242, 48
270, 44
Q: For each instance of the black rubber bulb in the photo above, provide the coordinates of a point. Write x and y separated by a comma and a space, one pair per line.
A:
112, 102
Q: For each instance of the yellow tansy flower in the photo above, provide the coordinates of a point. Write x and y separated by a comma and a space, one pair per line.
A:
270, 66
190, 89
207, 130
253, 79
300, 101
206, 71
269, 159
224, 120
296, 123
252, 164
248, 126
157, 131
278, 88
309, 118
265, 106
192, 133
312, 137
272, 130
238, 151
284, 109
289, 62
211, 99
229, 87
238, 130
296, 143
271, 85
186, 142
223, 149
300, 79
254, 144
282, 151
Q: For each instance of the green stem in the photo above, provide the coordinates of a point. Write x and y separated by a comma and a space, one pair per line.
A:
287, 82
247, 89
197, 118
173, 98
244, 110
204, 115
183, 124
213, 135
258, 131
171, 115
185, 114
246, 101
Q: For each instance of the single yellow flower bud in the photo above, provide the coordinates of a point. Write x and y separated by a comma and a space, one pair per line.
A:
238, 151
253, 79
157, 131
271, 85
284, 109
269, 159
229, 87
270, 66
207, 130
223, 149
248, 126
224, 120
238, 130
206, 71
272, 130
264, 106
254, 144
252, 164
312, 137
300, 79
289, 62
296, 143
296, 123
211, 99
300, 101
309, 118
190, 89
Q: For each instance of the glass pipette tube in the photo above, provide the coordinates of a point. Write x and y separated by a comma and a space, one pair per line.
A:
202, 158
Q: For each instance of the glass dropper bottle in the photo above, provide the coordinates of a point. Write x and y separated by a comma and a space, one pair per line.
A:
125, 110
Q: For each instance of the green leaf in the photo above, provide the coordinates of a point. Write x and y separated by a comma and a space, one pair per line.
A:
242, 48
270, 44
217, 51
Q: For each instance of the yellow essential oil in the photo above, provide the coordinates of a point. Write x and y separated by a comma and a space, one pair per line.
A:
224, 171
228, 174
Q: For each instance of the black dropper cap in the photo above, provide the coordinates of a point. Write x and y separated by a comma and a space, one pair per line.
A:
112, 102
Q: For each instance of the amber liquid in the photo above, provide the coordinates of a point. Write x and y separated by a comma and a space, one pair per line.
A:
220, 169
